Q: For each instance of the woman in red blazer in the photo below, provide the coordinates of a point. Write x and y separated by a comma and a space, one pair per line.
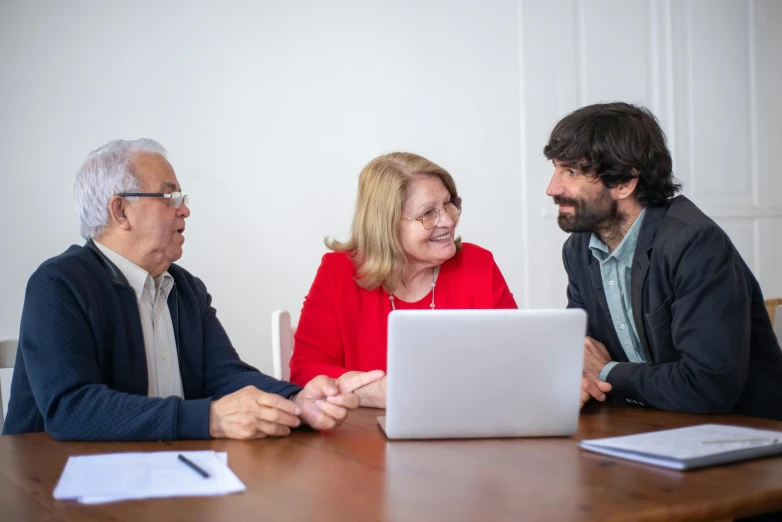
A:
403, 254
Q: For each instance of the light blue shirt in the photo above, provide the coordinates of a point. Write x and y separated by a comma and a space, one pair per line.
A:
615, 270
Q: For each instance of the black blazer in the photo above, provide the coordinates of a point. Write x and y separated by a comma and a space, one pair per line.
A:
699, 312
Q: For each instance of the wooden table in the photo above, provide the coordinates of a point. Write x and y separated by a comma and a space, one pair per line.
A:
354, 474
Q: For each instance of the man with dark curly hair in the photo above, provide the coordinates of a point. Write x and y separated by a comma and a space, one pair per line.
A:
676, 318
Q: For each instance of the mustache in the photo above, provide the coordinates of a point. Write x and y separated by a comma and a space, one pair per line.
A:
565, 202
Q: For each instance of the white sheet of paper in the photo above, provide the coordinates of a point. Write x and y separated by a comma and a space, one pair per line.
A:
122, 476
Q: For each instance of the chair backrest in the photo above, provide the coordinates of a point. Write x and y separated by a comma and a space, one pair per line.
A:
771, 307
777, 321
7, 358
282, 344
8, 353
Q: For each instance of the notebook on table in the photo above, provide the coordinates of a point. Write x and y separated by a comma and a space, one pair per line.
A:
692, 447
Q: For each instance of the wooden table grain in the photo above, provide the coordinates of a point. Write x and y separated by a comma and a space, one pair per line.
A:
355, 474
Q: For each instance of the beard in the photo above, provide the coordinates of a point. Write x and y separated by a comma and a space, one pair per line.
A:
589, 215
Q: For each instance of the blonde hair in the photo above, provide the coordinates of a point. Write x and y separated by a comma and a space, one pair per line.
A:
374, 244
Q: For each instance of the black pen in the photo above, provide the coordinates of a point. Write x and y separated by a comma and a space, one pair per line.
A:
195, 467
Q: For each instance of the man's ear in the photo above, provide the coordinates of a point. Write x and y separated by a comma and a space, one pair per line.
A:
118, 207
626, 189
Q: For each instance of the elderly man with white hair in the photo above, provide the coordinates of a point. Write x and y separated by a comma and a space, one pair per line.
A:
119, 343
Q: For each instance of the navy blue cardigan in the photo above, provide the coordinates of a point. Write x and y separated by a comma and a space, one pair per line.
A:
81, 370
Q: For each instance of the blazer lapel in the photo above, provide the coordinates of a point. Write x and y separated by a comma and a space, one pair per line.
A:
596, 279
637, 278
643, 249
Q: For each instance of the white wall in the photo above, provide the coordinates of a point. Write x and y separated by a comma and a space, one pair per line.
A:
270, 109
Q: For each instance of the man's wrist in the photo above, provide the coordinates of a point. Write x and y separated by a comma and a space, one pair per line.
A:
214, 429
603, 376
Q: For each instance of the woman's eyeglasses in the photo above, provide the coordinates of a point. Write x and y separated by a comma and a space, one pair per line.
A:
430, 219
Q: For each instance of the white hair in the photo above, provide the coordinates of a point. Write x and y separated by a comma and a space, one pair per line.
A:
108, 171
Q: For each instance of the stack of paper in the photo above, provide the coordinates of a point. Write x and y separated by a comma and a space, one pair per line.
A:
691, 447
123, 476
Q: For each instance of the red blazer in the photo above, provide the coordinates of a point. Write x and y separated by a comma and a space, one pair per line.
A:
343, 327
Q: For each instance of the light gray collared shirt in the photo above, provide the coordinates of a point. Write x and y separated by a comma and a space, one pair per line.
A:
615, 270
159, 342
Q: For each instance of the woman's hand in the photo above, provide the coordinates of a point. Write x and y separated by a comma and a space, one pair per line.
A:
372, 395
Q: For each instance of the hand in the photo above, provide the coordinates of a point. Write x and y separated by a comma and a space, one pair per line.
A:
595, 357
325, 402
252, 414
372, 395
592, 387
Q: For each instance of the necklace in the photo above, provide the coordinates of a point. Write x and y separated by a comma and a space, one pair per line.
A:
434, 279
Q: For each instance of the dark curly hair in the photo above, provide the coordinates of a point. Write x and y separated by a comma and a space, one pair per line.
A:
616, 142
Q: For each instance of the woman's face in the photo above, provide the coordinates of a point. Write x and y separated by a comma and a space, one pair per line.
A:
425, 195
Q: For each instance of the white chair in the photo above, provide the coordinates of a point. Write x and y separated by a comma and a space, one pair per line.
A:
7, 358
778, 323
282, 344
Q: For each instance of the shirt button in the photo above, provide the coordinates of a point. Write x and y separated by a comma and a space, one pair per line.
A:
163, 355
610, 283
621, 327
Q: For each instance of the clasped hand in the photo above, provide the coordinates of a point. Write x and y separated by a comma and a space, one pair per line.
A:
254, 414
595, 358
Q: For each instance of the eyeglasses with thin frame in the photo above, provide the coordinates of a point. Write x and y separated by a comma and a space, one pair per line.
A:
430, 219
175, 199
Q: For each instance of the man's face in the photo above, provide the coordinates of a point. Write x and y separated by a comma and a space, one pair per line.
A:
157, 228
584, 202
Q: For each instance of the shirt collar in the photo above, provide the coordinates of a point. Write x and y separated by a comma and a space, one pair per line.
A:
626, 249
136, 276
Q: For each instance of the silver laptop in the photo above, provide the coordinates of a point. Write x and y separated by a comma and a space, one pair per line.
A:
483, 373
